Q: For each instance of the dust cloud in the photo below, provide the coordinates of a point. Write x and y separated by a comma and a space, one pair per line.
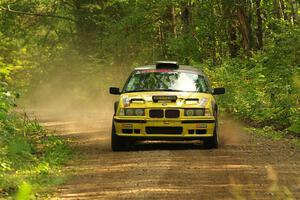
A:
232, 132
72, 90
73, 93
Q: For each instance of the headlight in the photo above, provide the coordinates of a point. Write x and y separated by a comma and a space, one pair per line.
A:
194, 112
139, 112
189, 112
132, 112
129, 112
208, 113
199, 112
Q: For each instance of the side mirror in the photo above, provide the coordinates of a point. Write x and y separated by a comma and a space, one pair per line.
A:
114, 90
219, 91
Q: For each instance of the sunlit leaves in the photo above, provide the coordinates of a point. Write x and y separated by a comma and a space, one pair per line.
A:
264, 88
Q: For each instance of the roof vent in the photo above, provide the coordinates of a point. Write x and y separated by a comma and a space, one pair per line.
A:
167, 65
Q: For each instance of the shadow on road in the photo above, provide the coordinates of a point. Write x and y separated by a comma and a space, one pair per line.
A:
164, 145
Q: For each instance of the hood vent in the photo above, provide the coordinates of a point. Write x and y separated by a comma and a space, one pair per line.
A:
169, 98
137, 100
191, 100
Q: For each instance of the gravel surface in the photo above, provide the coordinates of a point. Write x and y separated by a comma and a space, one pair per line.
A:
244, 167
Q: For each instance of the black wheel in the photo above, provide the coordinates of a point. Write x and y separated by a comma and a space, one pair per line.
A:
213, 142
116, 107
118, 143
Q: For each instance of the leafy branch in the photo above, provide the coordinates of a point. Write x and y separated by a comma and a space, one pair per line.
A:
8, 9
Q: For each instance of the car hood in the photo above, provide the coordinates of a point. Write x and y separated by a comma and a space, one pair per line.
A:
166, 99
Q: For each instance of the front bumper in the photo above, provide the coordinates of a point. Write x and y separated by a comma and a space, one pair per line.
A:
145, 128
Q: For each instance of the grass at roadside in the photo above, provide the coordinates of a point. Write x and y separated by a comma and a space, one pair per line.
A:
269, 132
31, 158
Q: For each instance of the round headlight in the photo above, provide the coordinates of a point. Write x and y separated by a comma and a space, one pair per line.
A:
129, 112
189, 112
199, 112
139, 112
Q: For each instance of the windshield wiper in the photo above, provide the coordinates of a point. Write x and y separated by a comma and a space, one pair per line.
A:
138, 91
156, 90
170, 90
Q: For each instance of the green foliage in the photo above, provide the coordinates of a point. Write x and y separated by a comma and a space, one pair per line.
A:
29, 156
85, 45
95, 37
295, 127
268, 132
24, 192
6, 99
262, 88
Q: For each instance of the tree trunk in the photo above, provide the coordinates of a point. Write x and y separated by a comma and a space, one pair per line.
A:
259, 30
283, 11
186, 16
276, 8
294, 10
85, 29
161, 42
233, 47
244, 19
173, 14
231, 29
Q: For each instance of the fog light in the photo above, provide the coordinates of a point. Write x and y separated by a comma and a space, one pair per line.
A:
128, 131
200, 131
137, 131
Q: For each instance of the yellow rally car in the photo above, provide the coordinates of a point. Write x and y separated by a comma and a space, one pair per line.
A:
166, 101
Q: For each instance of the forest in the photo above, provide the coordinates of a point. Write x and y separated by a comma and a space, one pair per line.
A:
251, 47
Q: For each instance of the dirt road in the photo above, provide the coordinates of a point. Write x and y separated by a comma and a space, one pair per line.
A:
245, 167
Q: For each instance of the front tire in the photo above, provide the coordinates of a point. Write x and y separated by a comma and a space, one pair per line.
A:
213, 142
118, 143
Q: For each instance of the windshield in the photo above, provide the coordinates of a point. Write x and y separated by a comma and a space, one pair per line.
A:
164, 80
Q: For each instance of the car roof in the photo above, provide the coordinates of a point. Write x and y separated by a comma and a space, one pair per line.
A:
181, 68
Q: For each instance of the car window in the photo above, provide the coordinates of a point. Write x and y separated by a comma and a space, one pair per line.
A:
156, 80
